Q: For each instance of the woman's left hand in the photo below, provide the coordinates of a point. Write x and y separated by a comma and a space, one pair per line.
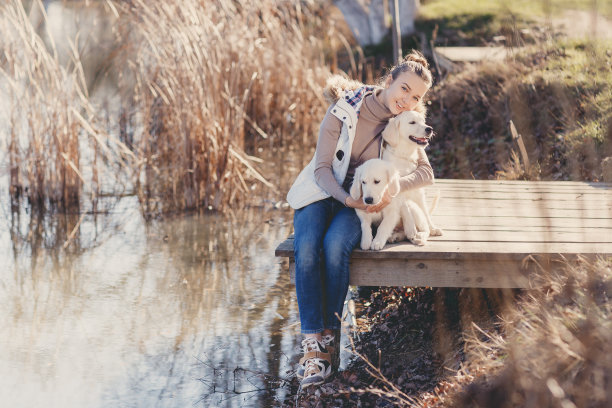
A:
385, 200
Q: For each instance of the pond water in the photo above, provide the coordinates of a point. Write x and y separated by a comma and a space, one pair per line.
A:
192, 310
186, 310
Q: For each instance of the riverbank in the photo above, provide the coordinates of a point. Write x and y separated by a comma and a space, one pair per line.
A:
465, 348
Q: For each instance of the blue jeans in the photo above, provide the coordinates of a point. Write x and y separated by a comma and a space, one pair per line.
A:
326, 232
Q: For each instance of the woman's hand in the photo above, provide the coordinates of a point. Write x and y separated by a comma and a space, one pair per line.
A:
358, 204
385, 200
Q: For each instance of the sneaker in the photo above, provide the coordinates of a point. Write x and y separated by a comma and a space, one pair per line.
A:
329, 341
316, 363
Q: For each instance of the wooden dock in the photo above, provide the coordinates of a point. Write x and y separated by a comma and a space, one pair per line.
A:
495, 233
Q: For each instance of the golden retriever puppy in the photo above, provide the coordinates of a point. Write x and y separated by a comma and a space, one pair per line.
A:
371, 180
406, 137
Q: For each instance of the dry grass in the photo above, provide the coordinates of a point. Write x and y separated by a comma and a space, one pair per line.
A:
54, 142
557, 95
210, 77
552, 350
549, 348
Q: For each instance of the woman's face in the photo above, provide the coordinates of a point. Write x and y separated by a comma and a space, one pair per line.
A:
403, 93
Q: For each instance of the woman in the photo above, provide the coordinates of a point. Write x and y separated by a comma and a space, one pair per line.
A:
326, 226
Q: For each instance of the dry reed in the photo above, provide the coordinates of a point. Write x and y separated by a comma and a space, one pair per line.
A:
552, 350
209, 77
53, 139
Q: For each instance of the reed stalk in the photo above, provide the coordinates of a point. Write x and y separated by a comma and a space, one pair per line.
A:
209, 79
51, 132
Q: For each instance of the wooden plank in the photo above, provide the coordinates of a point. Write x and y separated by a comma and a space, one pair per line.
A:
437, 273
600, 199
525, 184
520, 211
523, 236
453, 273
519, 189
473, 54
451, 221
527, 205
469, 250
606, 232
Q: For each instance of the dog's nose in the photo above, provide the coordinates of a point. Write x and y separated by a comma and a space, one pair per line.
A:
428, 130
368, 200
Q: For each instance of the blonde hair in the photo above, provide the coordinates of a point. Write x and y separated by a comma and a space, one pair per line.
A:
413, 62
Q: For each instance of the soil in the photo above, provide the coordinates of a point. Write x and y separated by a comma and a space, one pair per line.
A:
413, 336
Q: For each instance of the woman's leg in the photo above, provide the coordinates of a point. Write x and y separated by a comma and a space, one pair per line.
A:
343, 235
310, 224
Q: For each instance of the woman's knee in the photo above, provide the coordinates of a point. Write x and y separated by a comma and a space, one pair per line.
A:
307, 256
336, 252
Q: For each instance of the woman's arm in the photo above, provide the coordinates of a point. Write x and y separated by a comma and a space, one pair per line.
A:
421, 177
329, 133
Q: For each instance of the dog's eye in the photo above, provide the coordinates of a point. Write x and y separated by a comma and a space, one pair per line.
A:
376, 181
413, 122
363, 182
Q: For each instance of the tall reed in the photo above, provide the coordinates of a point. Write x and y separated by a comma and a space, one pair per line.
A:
209, 76
50, 130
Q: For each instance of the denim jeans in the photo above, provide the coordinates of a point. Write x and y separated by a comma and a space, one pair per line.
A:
326, 232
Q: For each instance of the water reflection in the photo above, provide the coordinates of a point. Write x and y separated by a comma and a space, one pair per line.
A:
190, 310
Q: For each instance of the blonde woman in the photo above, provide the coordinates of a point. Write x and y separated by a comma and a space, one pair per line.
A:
326, 226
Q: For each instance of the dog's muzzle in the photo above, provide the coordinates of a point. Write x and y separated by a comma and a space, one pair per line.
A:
368, 200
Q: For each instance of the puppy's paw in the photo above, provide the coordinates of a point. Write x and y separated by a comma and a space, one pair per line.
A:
397, 236
378, 244
366, 243
436, 232
420, 239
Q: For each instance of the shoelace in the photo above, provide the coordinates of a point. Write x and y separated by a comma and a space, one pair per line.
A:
310, 344
314, 366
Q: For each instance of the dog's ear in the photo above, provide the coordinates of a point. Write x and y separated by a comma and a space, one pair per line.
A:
391, 132
355, 191
394, 186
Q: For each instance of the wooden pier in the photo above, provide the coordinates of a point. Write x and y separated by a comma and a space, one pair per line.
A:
495, 233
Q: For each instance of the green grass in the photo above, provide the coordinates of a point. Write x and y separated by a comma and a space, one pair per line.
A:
477, 22
449, 9
558, 95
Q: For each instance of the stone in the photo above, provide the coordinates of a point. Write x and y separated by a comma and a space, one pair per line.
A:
366, 19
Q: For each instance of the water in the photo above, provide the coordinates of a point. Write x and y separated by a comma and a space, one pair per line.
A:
168, 314
188, 310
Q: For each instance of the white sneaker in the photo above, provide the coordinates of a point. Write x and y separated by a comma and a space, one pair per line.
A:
329, 341
316, 362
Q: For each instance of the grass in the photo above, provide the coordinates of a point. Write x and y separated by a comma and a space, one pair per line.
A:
525, 9
551, 349
557, 95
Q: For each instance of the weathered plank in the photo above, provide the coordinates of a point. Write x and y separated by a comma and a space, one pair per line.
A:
467, 250
492, 229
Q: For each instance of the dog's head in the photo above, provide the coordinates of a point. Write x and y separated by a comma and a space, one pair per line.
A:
409, 125
371, 180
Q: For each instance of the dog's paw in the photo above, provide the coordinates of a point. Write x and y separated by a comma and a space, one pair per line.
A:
436, 232
366, 243
420, 239
397, 236
378, 244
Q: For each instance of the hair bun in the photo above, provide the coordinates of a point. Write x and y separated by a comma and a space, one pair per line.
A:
417, 57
